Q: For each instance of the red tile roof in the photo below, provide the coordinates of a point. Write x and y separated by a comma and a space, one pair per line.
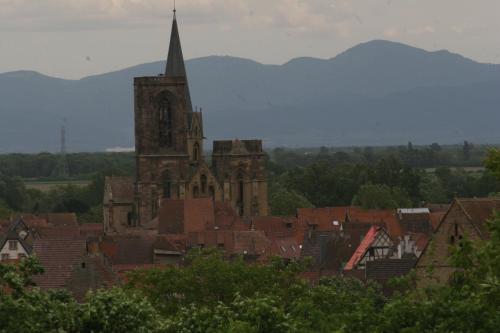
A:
280, 227
435, 218
325, 218
185, 216
479, 211
57, 256
92, 229
122, 189
128, 249
64, 232
287, 248
62, 219
367, 241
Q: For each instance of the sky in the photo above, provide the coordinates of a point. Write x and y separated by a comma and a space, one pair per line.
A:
76, 38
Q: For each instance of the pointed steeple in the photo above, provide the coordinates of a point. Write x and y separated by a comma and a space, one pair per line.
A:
175, 61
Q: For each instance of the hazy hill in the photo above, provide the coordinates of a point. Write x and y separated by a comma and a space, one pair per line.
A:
375, 93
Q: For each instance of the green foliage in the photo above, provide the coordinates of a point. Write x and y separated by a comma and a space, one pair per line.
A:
492, 162
286, 202
5, 210
209, 279
375, 196
80, 165
116, 311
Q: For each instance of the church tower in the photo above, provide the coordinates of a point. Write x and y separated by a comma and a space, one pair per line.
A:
168, 134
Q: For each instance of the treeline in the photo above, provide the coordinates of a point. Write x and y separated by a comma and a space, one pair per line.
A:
368, 177
431, 156
86, 201
210, 294
79, 165
384, 182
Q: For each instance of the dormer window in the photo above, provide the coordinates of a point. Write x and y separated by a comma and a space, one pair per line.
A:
13, 245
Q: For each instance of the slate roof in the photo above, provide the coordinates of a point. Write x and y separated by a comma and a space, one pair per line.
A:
330, 250
175, 61
385, 269
12, 233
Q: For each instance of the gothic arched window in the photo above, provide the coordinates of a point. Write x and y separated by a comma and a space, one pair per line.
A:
165, 122
241, 194
196, 152
203, 180
167, 185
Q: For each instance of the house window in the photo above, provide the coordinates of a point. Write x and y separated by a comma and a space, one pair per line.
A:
21, 255
13, 245
5, 256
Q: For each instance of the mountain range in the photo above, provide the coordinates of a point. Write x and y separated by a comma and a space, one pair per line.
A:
376, 93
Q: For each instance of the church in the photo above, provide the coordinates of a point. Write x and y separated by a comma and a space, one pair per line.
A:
170, 160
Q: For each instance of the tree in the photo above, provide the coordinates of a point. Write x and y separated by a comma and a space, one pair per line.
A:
286, 202
376, 196
116, 311
492, 162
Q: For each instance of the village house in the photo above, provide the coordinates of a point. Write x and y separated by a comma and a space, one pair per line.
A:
465, 218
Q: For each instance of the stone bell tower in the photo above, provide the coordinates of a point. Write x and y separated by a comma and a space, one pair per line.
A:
168, 134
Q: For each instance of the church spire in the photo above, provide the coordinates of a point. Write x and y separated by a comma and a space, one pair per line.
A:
175, 61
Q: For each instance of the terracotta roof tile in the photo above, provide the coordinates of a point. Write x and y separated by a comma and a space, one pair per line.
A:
330, 218
57, 256
287, 248
436, 218
480, 211
128, 250
63, 232
62, 219
119, 189
92, 229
